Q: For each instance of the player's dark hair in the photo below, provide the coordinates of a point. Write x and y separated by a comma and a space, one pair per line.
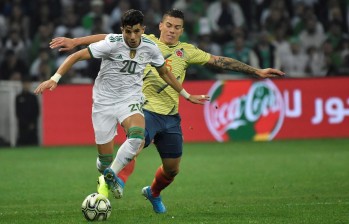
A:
132, 17
174, 13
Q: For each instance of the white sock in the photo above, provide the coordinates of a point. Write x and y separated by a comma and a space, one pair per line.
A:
125, 154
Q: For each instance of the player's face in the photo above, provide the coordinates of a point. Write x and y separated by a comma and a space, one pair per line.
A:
171, 29
132, 35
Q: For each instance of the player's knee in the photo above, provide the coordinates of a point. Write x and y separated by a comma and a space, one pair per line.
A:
171, 173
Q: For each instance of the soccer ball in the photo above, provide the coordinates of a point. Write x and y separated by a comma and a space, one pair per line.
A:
96, 207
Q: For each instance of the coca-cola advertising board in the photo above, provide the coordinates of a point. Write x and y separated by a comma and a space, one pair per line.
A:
263, 109
272, 109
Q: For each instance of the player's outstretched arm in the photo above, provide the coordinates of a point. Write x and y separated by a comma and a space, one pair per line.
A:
170, 79
235, 65
51, 84
67, 44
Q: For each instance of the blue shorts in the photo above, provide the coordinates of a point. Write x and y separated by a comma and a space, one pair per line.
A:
166, 133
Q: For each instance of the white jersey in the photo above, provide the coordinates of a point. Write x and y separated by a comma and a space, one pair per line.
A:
121, 73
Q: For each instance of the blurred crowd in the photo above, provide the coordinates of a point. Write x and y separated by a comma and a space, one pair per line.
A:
304, 38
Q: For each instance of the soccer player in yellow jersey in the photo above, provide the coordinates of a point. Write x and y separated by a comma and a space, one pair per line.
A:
161, 109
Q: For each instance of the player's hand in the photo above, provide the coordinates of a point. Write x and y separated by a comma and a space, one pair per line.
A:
269, 73
49, 84
198, 99
63, 43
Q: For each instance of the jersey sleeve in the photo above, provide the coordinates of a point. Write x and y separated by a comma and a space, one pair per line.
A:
100, 49
157, 59
197, 56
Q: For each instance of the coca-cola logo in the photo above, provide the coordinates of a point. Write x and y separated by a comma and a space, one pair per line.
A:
245, 110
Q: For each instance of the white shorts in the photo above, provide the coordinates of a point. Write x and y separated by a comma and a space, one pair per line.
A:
105, 118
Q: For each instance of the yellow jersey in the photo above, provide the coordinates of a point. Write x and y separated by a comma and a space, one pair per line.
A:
160, 97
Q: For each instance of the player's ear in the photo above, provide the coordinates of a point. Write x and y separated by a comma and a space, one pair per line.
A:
144, 29
122, 29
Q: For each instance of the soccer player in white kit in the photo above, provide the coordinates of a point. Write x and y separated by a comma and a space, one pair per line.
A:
117, 91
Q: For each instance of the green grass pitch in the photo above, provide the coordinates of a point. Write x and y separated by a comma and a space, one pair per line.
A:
304, 181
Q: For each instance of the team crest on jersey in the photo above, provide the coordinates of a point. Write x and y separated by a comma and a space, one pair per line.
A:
132, 54
179, 53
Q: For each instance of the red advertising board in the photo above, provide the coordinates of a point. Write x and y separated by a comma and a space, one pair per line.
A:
67, 116
239, 109
315, 108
